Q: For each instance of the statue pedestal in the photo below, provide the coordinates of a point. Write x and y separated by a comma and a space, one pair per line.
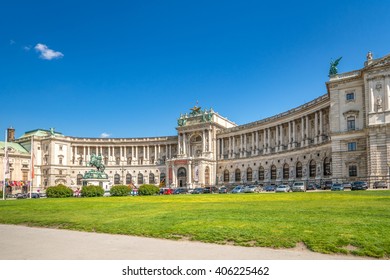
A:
104, 183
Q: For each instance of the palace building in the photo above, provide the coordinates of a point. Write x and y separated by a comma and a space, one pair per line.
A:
343, 135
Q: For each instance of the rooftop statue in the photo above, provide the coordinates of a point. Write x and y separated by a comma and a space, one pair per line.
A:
333, 66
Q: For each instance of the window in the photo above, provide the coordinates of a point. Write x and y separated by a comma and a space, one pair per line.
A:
312, 168
352, 171
151, 178
117, 179
140, 179
79, 177
238, 175
298, 170
327, 165
350, 96
286, 173
226, 176
128, 179
261, 173
352, 146
351, 123
249, 174
25, 175
273, 172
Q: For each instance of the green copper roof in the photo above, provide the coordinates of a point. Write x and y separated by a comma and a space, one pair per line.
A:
40, 133
15, 146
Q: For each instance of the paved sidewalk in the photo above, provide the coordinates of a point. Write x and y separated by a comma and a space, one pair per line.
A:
26, 243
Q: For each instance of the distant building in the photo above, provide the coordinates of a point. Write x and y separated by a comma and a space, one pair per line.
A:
343, 135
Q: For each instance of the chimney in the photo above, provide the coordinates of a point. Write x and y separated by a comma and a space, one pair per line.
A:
10, 134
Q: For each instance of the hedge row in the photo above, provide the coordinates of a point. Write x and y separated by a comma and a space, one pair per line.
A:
120, 190
148, 190
92, 191
59, 191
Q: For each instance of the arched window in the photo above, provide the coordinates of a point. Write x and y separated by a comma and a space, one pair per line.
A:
226, 175
128, 179
261, 173
327, 167
151, 178
207, 176
238, 175
117, 179
249, 174
286, 171
162, 177
140, 179
79, 178
273, 172
298, 170
312, 168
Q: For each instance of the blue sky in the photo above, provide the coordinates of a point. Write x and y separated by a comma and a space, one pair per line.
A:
129, 68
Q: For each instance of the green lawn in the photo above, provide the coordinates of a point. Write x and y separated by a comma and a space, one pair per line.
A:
327, 222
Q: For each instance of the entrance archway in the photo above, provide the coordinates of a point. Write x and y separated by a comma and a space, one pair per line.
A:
182, 177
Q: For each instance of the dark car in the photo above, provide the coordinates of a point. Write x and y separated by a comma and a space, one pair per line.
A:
327, 185
380, 184
269, 188
180, 191
197, 191
337, 187
223, 190
21, 195
311, 187
347, 185
210, 189
359, 186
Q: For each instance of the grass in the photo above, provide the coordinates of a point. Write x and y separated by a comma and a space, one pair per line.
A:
344, 222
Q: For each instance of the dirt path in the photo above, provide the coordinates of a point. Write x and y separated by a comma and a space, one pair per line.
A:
26, 243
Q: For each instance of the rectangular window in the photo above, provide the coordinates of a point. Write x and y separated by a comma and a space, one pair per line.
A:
350, 96
352, 146
352, 171
351, 123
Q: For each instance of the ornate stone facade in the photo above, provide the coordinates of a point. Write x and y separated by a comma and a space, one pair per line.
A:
342, 135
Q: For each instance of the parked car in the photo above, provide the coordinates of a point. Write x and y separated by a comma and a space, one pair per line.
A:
380, 184
180, 191
359, 185
337, 187
21, 195
210, 189
283, 188
269, 188
312, 187
10, 195
251, 189
299, 187
33, 195
327, 185
197, 191
347, 185
223, 190
238, 189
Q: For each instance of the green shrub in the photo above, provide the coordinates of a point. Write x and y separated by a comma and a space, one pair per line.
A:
1, 194
148, 190
120, 190
92, 191
59, 191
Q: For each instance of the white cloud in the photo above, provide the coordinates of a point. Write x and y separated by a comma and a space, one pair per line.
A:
27, 48
105, 135
47, 53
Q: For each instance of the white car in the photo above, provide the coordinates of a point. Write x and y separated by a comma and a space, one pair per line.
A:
282, 188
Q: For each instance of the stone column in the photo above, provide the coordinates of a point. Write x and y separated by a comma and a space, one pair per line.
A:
222, 149
289, 135
293, 134
230, 147
302, 132
321, 128
307, 130
386, 106
253, 144
245, 145
264, 139
316, 128
257, 143
184, 144
210, 141
281, 138
189, 178
276, 138
241, 145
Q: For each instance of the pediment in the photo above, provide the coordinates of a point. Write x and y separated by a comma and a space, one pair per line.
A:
379, 63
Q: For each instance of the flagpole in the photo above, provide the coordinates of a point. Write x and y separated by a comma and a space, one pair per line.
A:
5, 162
32, 165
